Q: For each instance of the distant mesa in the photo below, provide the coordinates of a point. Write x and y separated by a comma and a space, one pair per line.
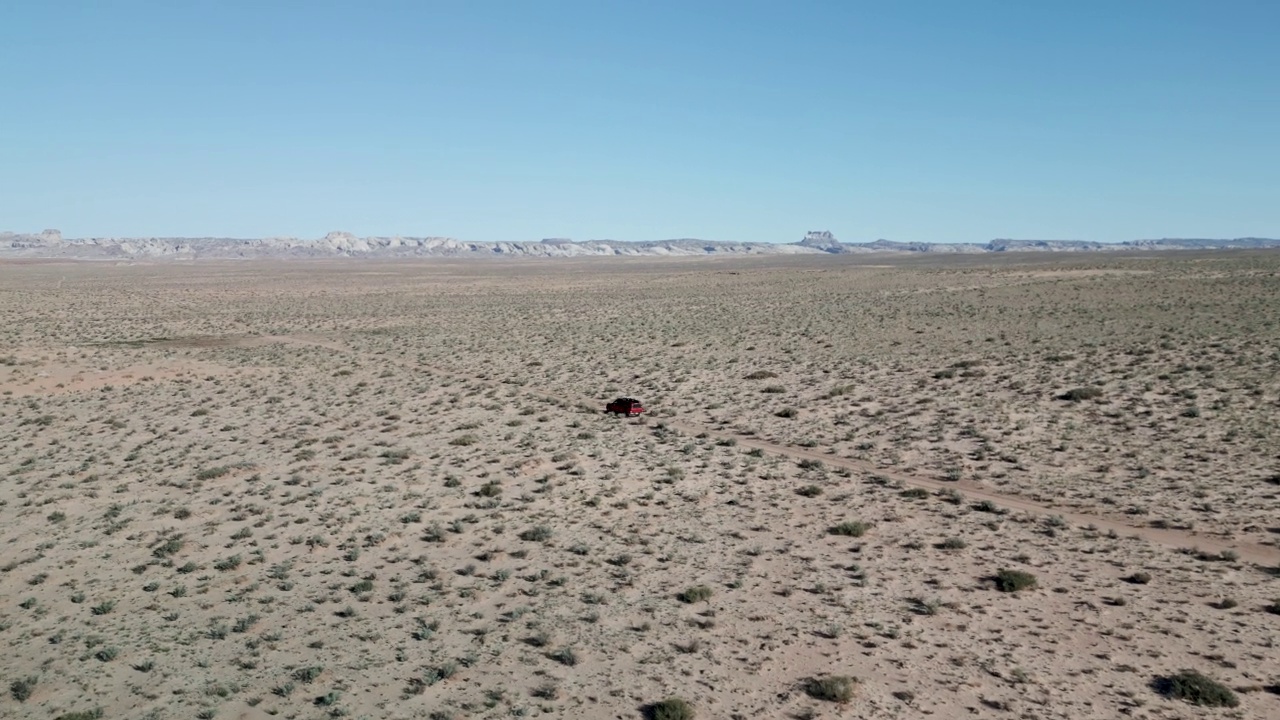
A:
339, 243
822, 240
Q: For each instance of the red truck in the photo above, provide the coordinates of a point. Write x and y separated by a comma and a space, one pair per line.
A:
625, 406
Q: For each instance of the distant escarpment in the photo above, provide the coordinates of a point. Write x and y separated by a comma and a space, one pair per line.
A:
51, 244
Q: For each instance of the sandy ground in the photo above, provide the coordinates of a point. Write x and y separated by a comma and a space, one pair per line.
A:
386, 490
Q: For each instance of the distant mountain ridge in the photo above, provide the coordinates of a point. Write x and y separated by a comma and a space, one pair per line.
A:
51, 244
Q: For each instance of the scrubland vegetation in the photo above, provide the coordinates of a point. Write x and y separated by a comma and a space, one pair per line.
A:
1030, 486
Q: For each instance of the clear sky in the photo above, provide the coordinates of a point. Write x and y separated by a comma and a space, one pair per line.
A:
953, 120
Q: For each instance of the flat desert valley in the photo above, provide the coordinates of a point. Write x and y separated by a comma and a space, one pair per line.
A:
1024, 486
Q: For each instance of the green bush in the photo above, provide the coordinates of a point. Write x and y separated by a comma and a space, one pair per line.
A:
94, 714
230, 563
836, 688
1014, 580
213, 472
671, 709
565, 656
169, 547
1196, 689
697, 593
541, 533
307, 674
1081, 393
23, 688
850, 528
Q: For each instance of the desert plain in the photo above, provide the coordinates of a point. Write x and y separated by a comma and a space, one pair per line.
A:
868, 486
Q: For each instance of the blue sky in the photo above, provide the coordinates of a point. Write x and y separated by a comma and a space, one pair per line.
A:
957, 120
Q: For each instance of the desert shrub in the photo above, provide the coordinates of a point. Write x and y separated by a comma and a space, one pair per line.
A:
1196, 689
213, 472
395, 456
697, 593
565, 656
834, 688
914, 493
246, 623
540, 533
307, 674
548, 690
168, 547
809, 491
850, 528
761, 375
1138, 578
1014, 580
230, 563
789, 412
103, 607
1080, 394
670, 709
773, 389
464, 440
953, 543
1274, 607
23, 688
94, 714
